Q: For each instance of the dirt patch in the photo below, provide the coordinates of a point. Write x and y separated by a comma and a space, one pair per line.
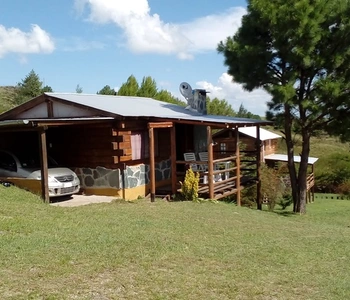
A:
78, 200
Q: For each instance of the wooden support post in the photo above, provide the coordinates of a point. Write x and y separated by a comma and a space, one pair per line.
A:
258, 168
50, 109
173, 159
44, 166
238, 170
152, 164
210, 163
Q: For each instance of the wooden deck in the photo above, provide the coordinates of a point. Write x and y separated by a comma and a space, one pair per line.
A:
221, 190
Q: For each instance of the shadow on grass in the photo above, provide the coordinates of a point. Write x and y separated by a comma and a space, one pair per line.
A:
284, 213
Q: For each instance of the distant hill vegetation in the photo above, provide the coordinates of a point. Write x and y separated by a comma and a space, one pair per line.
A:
8, 95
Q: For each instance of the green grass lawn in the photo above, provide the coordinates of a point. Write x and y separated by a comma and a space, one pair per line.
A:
176, 250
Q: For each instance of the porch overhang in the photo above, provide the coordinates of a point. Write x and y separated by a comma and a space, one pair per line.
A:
284, 158
34, 123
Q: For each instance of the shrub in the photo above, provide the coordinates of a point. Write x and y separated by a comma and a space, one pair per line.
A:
190, 186
332, 173
343, 188
272, 188
285, 200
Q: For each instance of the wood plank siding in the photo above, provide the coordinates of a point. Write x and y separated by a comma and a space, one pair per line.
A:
108, 145
225, 143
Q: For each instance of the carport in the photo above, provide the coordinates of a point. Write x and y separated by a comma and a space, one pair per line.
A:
32, 134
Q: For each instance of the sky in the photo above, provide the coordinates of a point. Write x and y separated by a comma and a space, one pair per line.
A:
93, 43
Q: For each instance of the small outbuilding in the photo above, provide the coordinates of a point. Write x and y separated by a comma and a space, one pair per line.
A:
225, 141
272, 160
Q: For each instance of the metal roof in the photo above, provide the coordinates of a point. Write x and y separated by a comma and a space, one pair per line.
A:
35, 122
128, 106
264, 134
284, 158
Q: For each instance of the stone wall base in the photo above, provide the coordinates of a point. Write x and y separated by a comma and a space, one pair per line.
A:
127, 194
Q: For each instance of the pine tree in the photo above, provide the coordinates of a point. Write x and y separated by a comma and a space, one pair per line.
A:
107, 90
219, 107
148, 87
298, 51
129, 88
30, 87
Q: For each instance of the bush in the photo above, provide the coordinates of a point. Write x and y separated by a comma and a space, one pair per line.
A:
190, 186
343, 188
273, 189
333, 173
286, 200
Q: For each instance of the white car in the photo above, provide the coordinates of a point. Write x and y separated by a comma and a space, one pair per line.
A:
62, 181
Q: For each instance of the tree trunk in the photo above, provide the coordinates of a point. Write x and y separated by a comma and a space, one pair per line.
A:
290, 151
302, 176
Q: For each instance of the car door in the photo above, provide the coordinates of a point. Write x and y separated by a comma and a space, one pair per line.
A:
8, 165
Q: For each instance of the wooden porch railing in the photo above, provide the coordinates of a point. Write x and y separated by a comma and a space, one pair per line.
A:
310, 181
224, 177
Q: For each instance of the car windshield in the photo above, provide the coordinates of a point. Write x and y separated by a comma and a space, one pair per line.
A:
33, 161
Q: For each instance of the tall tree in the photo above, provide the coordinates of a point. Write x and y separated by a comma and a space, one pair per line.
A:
244, 113
298, 51
219, 107
47, 89
29, 87
148, 87
78, 89
166, 96
107, 90
129, 88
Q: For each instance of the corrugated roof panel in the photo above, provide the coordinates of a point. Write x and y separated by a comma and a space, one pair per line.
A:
128, 106
284, 157
264, 134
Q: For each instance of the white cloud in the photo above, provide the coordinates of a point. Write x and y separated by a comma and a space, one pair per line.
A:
13, 40
205, 33
147, 33
235, 95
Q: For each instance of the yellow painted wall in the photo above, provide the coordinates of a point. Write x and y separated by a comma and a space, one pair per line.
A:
127, 194
31, 185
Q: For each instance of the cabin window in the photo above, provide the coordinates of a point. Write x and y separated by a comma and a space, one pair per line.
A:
140, 144
223, 148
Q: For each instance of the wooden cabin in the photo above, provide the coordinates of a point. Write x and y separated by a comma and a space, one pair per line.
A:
225, 141
122, 146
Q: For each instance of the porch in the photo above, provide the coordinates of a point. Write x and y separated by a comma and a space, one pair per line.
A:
222, 174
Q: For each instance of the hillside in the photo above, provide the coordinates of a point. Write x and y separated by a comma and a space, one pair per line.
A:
332, 170
7, 96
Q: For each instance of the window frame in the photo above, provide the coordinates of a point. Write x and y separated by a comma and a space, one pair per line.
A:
223, 148
141, 151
